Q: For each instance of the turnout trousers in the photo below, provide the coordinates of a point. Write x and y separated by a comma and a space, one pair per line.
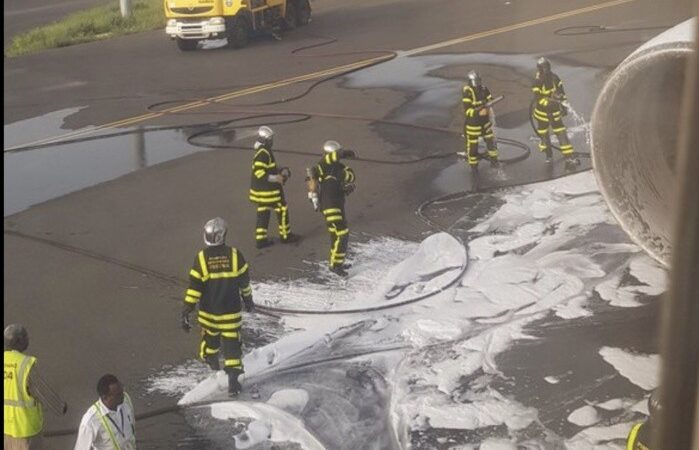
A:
264, 211
547, 122
216, 335
474, 130
339, 235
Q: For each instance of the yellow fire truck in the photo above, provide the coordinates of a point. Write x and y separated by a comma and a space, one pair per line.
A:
192, 21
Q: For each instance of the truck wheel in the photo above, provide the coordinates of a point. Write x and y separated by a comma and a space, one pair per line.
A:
187, 45
238, 33
303, 16
291, 17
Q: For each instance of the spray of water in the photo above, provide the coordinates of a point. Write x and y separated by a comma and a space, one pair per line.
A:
581, 125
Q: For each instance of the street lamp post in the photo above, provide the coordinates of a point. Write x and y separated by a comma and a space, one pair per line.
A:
125, 7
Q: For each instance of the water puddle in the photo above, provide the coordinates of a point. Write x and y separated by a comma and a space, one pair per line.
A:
435, 82
36, 175
37, 128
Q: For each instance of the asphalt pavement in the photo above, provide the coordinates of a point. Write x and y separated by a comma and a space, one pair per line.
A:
97, 275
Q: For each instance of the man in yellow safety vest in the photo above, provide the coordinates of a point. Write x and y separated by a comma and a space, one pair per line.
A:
25, 391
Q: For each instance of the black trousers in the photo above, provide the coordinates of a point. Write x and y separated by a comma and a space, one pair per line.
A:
211, 342
339, 235
547, 122
474, 130
264, 211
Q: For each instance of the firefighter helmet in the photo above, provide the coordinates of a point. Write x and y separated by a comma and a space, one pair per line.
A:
215, 232
265, 137
474, 79
543, 65
331, 146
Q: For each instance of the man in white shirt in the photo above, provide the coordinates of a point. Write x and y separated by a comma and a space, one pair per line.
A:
109, 424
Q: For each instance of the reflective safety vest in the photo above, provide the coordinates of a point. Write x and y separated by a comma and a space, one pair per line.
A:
131, 443
23, 414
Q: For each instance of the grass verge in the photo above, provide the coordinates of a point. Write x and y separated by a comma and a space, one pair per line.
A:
92, 24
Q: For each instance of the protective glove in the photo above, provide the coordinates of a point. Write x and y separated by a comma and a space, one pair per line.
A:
348, 154
565, 107
349, 188
275, 179
186, 323
248, 305
285, 172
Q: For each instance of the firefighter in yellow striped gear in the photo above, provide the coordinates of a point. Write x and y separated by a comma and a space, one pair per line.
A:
550, 106
336, 181
219, 283
267, 191
478, 124
641, 434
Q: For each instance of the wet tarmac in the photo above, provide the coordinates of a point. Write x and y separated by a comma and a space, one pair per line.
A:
106, 214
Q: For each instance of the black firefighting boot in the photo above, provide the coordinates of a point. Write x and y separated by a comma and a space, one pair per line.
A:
212, 361
549, 155
291, 238
262, 243
234, 387
572, 160
339, 270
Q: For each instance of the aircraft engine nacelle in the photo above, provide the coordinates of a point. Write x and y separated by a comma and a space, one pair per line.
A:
634, 128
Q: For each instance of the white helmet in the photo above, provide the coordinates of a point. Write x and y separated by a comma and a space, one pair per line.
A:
265, 137
331, 146
474, 79
215, 232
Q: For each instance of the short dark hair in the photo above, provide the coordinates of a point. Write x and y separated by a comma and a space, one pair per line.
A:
104, 383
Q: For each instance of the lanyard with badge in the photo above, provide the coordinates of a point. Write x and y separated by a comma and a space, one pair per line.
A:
119, 429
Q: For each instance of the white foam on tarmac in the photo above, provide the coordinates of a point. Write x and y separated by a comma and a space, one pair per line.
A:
178, 380
584, 416
649, 272
615, 403
597, 438
641, 370
574, 308
460, 331
498, 444
269, 423
290, 400
484, 410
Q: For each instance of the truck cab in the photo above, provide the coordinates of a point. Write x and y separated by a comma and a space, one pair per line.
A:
192, 21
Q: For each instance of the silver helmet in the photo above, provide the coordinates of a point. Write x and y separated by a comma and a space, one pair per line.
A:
215, 232
265, 137
543, 65
331, 146
474, 79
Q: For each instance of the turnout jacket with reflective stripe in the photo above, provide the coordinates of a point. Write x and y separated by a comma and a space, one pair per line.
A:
332, 175
473, 98
261, 189
545, 89
218, 281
